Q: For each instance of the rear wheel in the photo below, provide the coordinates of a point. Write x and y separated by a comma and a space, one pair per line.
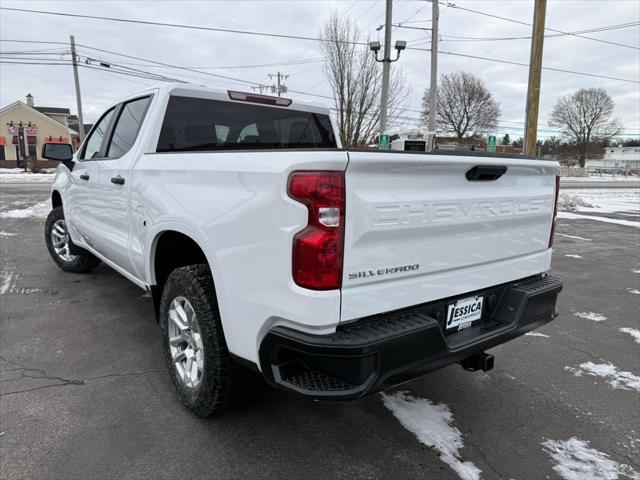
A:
206, 379
67, 256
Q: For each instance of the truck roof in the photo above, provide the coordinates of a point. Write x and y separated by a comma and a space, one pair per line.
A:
201, 91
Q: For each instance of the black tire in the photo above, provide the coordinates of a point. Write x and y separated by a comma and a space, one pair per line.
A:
81, 261
222, 379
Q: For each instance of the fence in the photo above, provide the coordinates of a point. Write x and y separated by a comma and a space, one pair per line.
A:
573, 172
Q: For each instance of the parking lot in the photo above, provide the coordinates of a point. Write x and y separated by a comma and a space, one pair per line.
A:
84, 391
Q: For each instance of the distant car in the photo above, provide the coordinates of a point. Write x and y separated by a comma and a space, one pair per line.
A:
332, 273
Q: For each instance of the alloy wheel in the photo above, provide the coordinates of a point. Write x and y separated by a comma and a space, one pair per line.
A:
185, 342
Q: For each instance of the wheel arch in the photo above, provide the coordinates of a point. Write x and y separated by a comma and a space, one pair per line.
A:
171, 249
56, 199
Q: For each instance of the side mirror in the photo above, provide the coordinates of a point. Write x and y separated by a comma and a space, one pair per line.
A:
62, 152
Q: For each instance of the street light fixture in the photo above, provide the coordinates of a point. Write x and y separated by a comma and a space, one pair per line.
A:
399, 46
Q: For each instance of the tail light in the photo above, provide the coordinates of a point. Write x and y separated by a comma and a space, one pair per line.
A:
317, 249
555, 212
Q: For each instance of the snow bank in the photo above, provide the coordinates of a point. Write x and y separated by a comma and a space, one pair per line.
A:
39, 210
601, 178
596, 317
432, 426
617, 379
570, 203
621, 201
600, 200
576, 460
18, 175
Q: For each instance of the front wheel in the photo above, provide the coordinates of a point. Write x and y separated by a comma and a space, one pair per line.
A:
67, 256
206, 379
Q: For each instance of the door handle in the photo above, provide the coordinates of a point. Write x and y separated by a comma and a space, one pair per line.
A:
118, 180
84, 176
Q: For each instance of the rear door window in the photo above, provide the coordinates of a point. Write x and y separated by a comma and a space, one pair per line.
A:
127, 127
196, 124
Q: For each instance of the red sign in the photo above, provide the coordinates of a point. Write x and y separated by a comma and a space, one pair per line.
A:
28, 129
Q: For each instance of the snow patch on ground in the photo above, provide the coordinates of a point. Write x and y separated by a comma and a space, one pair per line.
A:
634, 291
636, 271
575, 237
7, 234
39, 210
576, 460
574, 255
7, 281
615, 378
575, 216
536, 334
596, 317
433, 426
633, 332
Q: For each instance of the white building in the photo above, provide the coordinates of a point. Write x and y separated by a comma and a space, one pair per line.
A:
618, 157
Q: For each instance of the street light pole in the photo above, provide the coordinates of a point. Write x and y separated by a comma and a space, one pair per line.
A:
433, 87
386, 66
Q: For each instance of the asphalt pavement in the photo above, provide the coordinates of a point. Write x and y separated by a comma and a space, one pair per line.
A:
84, 392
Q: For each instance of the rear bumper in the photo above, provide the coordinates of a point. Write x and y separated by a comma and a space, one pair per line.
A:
382, 351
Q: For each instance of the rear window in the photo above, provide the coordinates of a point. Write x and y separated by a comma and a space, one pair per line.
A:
196, 124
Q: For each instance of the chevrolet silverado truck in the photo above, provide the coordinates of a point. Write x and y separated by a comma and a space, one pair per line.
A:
332, 273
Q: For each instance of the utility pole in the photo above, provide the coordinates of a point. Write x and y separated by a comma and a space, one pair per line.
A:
535, 75
279, 87
386, 66
433, 87
74, 60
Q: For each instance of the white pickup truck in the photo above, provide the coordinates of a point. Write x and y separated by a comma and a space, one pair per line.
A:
333, 273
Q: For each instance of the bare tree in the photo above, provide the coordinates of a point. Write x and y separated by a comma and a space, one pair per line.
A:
465, 105
586, 117
356, 79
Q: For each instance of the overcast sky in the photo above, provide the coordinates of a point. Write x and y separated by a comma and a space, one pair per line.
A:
214, 52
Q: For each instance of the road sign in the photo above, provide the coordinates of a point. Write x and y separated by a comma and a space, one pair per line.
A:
491, 143
383, 142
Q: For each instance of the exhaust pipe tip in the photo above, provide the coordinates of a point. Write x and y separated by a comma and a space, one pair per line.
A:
480, 361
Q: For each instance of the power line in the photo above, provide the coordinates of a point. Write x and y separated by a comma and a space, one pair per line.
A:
457, 38
453, 5
152, 76
477, 57
177, 25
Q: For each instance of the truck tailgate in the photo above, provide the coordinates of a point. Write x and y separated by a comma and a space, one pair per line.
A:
417, 229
